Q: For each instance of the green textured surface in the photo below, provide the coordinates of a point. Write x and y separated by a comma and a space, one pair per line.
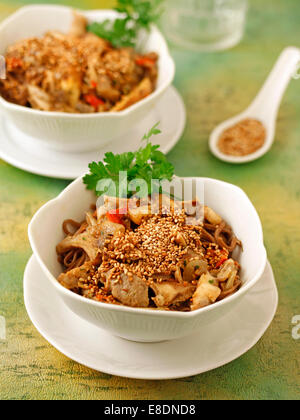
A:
214, 86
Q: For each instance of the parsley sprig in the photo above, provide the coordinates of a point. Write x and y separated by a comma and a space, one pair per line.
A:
147, 163
124, 31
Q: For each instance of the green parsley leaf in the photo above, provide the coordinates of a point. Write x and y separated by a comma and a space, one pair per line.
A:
124, 31
147, 163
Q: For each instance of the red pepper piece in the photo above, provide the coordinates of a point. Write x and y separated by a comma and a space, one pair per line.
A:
93, 100
145, 62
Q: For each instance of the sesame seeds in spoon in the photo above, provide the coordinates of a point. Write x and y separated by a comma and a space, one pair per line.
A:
255, 128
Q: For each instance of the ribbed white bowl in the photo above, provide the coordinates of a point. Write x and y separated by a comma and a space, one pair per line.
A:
145, 325
76, 132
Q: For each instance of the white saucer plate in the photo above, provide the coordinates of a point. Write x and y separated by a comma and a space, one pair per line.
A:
208, 349
17, 151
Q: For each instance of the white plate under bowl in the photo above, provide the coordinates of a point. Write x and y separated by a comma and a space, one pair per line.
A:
212, 347
19, 151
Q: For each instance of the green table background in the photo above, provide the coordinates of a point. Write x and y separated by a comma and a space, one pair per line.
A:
214, 86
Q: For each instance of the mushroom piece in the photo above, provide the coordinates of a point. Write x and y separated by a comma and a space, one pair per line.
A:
111, 204
92, 240
206, 293
88, 241
195, 268
178, 275
228, 272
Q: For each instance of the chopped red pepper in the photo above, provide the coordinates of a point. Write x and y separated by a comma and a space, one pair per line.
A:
114, 218
94, 84
145, 62
222, 260
93, 100
122, 211
14, 62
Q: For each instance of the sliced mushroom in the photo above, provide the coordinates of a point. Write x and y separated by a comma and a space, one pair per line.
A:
194, 268
93, 239
178, 275
88, 241
228, 272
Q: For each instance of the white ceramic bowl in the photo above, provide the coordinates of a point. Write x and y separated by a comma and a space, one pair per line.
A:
146, 325
76, 132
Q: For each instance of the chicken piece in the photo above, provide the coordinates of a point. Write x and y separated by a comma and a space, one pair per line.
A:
79, 25
212, 216
129, 290
92, 44
143, 90
83, 108
111, 204
137, 214
181, 239
38, 98
206, 293
171, 293
71, 90
194, 211
161, 203
72, 278
105, 88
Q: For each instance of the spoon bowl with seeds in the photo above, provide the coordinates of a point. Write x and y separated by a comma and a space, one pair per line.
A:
250, 135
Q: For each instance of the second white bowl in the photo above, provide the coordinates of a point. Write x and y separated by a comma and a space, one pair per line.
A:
75, 132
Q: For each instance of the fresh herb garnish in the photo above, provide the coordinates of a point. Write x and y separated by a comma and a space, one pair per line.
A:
147, 164
124, 31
